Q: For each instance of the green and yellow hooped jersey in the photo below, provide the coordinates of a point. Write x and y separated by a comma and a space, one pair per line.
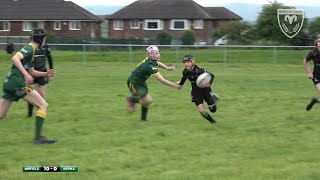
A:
143, 71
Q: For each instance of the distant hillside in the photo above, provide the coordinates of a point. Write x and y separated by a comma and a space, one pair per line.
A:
249, 12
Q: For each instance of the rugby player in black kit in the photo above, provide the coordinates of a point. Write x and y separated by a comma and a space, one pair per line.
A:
314, 75
41, 54
192, 72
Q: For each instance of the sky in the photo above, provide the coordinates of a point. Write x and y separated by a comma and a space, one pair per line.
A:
205, 3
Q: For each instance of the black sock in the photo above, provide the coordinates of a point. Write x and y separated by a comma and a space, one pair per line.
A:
144, 112
208, 117
30, 108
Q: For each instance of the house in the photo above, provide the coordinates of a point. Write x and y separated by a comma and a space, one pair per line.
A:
147, 18
104, 26
61, 18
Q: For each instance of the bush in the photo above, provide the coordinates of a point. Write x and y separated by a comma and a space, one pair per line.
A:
188, 37
164, 38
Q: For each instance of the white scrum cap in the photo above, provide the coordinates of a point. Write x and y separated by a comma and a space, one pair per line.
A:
151, 50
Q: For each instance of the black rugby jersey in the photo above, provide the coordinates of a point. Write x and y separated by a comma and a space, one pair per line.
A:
193, 75
40, 58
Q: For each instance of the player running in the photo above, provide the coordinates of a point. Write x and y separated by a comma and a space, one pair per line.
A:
314, 75
40, 83
137, 80
15, 85
192, 72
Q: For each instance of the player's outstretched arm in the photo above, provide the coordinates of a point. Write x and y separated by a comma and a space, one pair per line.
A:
49, 73
169, 68
167, 82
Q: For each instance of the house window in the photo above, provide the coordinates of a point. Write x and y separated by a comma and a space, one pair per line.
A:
4, 26
135, 24
153, 24
178, 24
198, 24
29, 25
57, 25
118, 25
75, 25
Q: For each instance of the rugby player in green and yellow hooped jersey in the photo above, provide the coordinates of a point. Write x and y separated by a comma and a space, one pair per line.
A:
137, 80
17, 81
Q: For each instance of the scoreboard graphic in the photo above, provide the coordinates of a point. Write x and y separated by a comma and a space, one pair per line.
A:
50, 169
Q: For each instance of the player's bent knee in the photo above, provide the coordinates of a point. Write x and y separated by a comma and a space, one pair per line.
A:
147, 104
202, 111
43, 105
146, 101
213, 108
149, 101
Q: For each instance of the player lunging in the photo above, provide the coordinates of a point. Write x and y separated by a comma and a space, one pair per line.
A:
137, 80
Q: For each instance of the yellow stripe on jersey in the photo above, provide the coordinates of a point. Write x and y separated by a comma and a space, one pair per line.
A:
156, 74
19, 55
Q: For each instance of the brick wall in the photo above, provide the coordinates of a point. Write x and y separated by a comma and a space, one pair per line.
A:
88, 29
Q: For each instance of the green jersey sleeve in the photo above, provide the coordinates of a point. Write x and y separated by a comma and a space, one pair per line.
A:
26, 52
26, 56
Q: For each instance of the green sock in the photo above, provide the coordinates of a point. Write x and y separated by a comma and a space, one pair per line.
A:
208, 117
134, 99
144, 112
39, 123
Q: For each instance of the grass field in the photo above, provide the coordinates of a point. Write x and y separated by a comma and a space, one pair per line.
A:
263, 130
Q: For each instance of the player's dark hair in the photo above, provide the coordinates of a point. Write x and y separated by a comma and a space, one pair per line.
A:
188, 57
10, 48
37, 35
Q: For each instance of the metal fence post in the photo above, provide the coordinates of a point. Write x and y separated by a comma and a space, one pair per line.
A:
130, 55
177, 55
275, 55
84, 54
225, 54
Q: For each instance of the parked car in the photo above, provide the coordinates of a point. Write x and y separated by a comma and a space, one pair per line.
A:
221, 41
200, 44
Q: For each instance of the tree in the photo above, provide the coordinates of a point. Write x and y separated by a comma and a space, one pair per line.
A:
239, 32
164, 38
314, 27
188, 37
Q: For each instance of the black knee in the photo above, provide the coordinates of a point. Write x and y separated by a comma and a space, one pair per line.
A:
213, 108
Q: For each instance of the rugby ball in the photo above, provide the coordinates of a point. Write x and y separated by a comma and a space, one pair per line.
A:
203, 80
